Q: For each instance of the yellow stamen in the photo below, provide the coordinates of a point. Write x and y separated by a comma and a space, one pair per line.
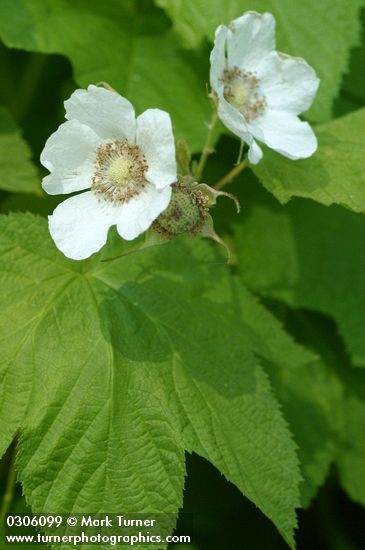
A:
119, 171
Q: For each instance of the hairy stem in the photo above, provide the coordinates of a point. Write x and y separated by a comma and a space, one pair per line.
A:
240, 154
208, 146
231, 174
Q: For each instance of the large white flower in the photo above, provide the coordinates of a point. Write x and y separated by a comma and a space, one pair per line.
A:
261, 91
127, 163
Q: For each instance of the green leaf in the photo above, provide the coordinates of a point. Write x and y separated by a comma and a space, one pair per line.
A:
17, 172
322, 33
114, 44
334, 174
309, 392
111, 370
312, 404
337, 393
308, 256
351, 460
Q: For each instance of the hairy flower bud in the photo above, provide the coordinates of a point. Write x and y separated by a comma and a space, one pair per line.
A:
186, 212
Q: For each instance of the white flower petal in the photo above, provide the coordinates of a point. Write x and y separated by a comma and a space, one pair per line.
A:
250, 38
218, 58
79, 225
110, 115
254, 153
138, 214
156, 140
286, 134
235, 122
284, 87
288, 83
69, 155
233, 119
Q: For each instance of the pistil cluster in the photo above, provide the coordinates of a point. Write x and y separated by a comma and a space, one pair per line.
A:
120, 171
241, 89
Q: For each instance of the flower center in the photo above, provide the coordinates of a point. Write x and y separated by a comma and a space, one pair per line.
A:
119, 171
240, 95
241, 89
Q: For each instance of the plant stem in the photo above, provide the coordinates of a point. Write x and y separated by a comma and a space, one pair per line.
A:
240, 154
207, 149
9, 490
231, 174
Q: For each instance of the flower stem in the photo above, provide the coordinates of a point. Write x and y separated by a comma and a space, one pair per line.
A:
207, 149
231, 174
9, 490
240, 153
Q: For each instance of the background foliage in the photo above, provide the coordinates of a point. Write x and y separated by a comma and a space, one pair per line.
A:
166, 380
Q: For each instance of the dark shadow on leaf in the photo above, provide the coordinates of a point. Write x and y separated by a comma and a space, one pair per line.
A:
162, 320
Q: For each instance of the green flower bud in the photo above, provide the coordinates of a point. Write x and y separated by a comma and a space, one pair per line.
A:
185, 214
188, 212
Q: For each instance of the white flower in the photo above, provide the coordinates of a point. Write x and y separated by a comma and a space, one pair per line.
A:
127, 163
261, 91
